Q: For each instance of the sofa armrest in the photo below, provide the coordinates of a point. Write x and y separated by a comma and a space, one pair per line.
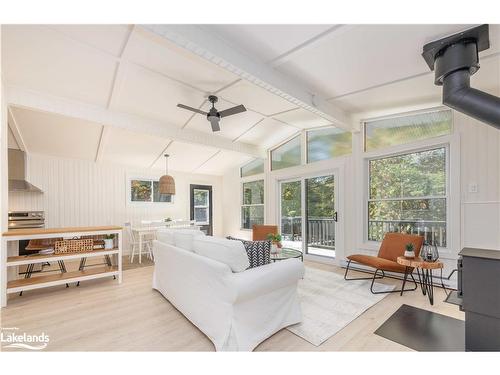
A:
265, 279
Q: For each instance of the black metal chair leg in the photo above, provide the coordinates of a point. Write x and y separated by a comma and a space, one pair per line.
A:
404, 280
396, 290
360, 278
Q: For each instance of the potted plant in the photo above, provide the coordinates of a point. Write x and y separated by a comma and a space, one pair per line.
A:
409, 250
109, 241
275, 239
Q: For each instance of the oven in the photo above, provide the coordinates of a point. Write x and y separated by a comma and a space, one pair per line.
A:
24, 220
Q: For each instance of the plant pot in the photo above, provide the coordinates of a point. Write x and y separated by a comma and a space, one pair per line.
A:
109, 244
409, 254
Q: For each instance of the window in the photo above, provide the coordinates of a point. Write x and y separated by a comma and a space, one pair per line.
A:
254, 167
201, 205
252, 208
147, 191
408, 193
287, 155
401, 130
327, 143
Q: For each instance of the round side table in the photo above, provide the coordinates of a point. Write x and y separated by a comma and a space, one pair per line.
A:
425, 280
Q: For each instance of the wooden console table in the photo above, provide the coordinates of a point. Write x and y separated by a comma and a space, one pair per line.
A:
19, 285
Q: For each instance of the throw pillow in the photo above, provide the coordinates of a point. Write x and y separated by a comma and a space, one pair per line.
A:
258, 252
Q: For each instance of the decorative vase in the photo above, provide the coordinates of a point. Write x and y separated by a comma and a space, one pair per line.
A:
430, 252
274, 249
108, 243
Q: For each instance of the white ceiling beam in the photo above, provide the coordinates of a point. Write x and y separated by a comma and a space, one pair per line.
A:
16, 132
162, 154
30, 99
204, 43
332, 32
103, 139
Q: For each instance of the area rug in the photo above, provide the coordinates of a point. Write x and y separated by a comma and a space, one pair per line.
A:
329, 303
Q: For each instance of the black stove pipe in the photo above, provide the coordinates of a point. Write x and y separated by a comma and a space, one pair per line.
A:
458, 95
456, 60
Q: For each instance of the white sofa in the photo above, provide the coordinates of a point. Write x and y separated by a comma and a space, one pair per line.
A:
236, 310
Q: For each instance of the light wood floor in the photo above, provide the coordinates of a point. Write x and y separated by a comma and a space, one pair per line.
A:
101, 315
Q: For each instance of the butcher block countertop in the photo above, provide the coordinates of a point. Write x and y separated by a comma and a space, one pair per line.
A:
41, 231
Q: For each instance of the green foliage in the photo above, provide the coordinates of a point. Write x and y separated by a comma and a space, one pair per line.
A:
395, 186
109, 236
327, 143
275, 237
320, 192
410, 247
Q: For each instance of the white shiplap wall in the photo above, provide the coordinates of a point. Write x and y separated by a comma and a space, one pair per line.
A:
84, 193
480, 166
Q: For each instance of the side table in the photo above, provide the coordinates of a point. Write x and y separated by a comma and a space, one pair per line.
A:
424, 267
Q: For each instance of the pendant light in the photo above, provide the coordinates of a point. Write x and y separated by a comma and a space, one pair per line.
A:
167, 182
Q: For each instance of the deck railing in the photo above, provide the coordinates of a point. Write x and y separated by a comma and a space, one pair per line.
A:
320, 230
434, 232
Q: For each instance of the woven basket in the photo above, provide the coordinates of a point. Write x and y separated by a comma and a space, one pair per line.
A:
74, 246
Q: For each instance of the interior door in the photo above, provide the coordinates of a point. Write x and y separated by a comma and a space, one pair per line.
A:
201, 207
320, 215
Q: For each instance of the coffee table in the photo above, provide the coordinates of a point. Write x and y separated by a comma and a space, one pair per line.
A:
426, 283
287, 253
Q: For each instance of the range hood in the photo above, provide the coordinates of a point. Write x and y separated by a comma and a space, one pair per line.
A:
17, 173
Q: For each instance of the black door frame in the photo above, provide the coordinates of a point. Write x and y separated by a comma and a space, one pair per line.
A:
192, 187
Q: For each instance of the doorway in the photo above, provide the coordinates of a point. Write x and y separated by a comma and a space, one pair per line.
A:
201, 207
308, 214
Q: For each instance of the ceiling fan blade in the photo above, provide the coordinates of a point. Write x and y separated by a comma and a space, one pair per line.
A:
192, 109
215, 125
232, 111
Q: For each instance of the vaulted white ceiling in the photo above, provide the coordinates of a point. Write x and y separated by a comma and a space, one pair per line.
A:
129, 69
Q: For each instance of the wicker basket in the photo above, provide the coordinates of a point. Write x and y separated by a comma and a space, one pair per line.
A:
74, 246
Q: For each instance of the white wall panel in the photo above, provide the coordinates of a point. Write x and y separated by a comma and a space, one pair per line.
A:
83, 193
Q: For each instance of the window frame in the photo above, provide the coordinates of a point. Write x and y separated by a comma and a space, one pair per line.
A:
263, 204
413, 150
301, 136
255, 174
454, 211
207, 207
149, 179
305, 144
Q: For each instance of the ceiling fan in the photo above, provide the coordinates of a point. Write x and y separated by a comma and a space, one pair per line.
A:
213, 115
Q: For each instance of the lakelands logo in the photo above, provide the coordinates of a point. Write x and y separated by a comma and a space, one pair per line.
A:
13, 338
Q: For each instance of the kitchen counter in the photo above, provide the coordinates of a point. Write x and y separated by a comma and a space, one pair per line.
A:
41, 231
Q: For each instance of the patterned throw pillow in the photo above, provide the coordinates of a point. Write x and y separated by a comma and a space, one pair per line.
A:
258, 252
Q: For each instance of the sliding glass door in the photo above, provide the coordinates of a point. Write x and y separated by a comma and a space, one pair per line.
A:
320, 215
308, 215
291, 214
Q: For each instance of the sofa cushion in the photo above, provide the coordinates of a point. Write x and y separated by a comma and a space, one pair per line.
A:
258, 252
222, 250
165, 236
183, 238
